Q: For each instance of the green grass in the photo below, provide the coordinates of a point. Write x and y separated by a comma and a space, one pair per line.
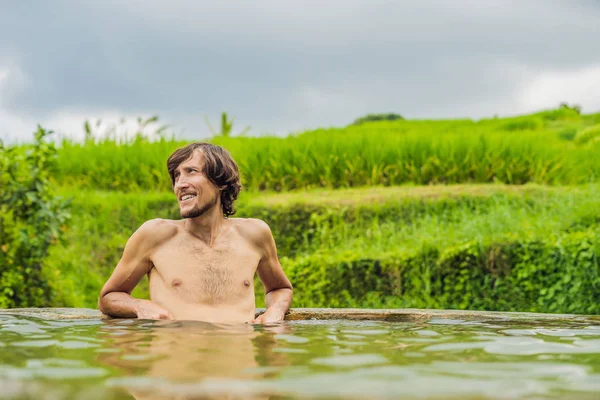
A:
450, 217
366, 223
537, 148
587, 135
390, 209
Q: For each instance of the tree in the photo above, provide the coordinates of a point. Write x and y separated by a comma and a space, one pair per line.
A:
377, 117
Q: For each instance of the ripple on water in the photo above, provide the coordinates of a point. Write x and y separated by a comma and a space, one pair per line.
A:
559, 332
413, 354
35, 343
511, 370
289, 350
366, 331
520, 346
291, 338
66, 344
427, 332
347, 336
351, 360
24, 327
74, 323
51, 372
53, 362
85, 339
352, 342
125, 322
77, 344
446, 321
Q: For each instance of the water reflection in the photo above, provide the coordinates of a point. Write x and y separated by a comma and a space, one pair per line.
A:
160, 359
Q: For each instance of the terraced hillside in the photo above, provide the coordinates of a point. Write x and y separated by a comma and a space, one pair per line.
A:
497, 214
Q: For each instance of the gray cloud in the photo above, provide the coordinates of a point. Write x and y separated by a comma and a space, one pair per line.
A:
284, 66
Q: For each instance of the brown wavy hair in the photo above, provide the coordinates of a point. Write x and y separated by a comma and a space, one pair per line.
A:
218, 167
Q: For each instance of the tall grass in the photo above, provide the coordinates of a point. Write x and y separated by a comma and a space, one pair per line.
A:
536, 215
534, 148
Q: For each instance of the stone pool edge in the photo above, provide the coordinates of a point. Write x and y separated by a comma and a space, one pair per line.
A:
357, 314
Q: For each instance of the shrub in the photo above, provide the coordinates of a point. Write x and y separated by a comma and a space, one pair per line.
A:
378, 117
559, 275
31, 220
523, 124
587, 135
568, 133
562, 113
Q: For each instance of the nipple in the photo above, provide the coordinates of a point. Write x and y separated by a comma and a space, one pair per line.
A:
247, 283
176, 283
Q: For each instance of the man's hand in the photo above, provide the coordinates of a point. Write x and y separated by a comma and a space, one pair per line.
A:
272, 315
146, 309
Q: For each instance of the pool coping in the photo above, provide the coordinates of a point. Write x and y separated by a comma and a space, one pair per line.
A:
360, 314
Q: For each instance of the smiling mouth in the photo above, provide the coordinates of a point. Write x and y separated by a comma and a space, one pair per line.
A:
187, 197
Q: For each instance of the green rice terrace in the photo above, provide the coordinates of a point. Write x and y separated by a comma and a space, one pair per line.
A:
500, 214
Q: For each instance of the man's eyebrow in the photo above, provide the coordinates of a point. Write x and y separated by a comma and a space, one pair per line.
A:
183, 165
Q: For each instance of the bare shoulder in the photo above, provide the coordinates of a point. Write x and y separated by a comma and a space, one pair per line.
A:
159, 226
253, 229
155, 232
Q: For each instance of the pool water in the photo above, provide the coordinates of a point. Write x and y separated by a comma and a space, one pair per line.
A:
439, 358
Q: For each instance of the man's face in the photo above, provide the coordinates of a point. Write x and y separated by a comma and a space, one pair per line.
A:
195, 192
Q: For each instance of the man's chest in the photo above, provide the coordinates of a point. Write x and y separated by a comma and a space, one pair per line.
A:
187, 266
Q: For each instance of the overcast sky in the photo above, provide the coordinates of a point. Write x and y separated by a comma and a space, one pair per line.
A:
285, 66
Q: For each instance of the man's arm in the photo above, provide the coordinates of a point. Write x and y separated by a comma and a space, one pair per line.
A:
115, 297
278, 288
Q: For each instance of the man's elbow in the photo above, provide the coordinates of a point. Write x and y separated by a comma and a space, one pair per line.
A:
102, 306
104, 301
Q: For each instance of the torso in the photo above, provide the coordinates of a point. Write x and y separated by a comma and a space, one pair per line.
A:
195, 281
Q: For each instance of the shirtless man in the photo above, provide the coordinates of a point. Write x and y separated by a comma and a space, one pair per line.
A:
201, 267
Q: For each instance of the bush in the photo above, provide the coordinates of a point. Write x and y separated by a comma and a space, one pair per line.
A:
31, 220
523, 124
568, 133
564, 112
587, 135
560, 275
378, 117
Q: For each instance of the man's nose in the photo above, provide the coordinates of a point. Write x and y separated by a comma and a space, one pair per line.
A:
181, 183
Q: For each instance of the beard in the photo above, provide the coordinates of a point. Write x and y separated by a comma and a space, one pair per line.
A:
198, 210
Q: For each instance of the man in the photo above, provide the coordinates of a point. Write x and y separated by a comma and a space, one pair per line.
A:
201, 267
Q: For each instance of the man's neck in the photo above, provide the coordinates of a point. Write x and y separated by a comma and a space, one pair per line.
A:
206, 227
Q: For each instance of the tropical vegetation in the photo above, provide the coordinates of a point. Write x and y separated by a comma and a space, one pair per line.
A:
495, 214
